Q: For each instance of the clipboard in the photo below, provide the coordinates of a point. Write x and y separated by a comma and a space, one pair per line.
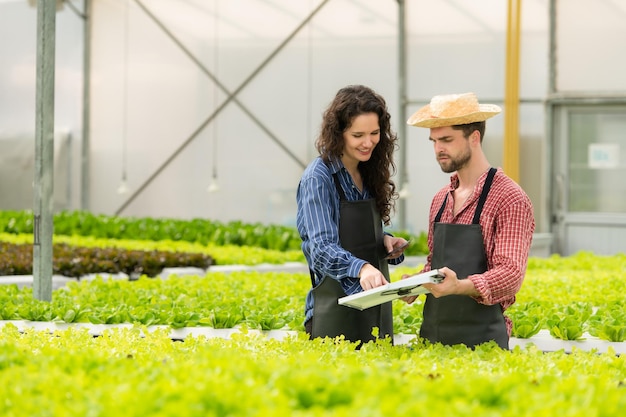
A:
392, 291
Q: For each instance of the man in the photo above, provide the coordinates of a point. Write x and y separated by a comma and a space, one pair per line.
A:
480, 229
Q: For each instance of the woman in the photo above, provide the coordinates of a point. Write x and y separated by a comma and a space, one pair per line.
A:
344, 197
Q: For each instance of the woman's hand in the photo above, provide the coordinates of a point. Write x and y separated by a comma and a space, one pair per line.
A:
395, 246
371, 277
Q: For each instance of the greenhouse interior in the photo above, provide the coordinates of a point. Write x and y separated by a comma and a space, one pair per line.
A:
150, 157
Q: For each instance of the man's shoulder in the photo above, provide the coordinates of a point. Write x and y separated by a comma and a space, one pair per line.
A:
501, 179
506, 186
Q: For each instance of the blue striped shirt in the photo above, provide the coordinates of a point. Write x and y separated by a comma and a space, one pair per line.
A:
317, 221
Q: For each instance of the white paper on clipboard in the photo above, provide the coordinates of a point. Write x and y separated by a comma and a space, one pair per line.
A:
389, 292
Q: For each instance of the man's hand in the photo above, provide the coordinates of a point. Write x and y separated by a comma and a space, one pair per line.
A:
451, 284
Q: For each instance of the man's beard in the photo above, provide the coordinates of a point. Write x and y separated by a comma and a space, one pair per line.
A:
458, 163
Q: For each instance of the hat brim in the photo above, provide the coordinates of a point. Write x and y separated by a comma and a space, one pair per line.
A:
423, 118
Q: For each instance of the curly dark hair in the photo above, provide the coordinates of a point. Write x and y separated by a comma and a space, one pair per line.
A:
350, 102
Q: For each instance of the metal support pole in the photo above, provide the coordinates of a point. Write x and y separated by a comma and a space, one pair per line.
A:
44, 152
402, 103
553, 180
85, 148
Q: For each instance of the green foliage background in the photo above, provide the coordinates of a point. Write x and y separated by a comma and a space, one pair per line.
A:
138, 370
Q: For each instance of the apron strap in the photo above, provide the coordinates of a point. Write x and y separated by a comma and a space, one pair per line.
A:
483, 195
440, 212
342, 195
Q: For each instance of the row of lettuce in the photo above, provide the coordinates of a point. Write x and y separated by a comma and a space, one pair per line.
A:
569, 296
249, 374
201, 231
133, 372
77, 261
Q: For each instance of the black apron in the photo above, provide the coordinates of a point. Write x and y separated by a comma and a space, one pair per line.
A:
361, 233
455, 319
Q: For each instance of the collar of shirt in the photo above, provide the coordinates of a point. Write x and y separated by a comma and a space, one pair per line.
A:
345, 179
454, 181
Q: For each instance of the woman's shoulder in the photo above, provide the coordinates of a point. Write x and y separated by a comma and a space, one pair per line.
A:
318, 169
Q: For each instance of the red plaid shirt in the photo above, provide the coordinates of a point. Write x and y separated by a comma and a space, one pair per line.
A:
507, 223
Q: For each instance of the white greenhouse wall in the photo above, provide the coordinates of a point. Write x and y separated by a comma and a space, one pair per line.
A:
148, 97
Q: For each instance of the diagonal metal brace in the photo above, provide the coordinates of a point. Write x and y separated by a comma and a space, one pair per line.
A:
231, 96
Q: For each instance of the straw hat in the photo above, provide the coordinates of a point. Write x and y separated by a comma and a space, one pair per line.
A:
451, 110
